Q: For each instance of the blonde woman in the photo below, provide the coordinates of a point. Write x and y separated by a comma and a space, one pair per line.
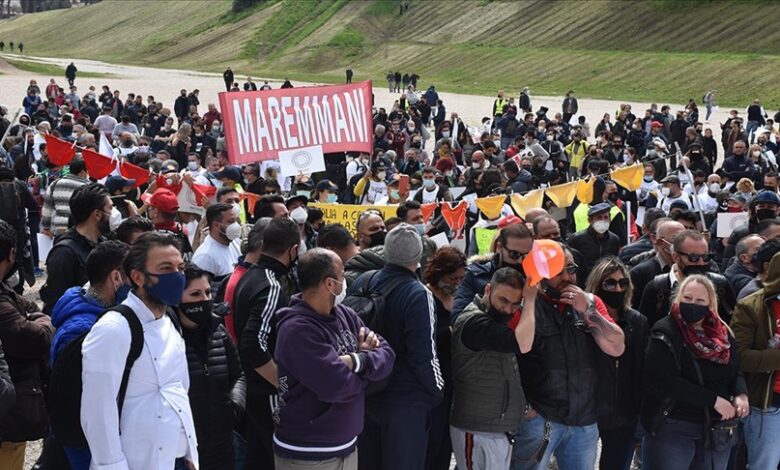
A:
620, 378
693, 383
181, 144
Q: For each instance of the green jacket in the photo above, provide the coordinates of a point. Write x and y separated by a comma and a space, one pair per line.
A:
753, 325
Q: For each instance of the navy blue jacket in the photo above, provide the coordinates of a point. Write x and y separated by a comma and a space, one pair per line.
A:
409, 330
477, 277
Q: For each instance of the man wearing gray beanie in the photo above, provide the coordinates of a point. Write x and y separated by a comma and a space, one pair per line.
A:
396, 418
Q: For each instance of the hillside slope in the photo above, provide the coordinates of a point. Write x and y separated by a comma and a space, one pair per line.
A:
668, 50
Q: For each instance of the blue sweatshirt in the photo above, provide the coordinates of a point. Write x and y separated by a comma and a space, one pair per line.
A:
321, 401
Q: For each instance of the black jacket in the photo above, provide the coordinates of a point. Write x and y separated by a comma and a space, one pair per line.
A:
656, 299
738, 275
620, 378
592, 247
632, 249
66, 266
262, 291
217, 389
643, 274
672, 388
7, 391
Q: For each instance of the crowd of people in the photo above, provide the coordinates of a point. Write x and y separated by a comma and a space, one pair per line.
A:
247, 330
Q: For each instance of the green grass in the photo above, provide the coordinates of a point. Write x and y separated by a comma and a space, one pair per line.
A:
51, 69
382, 8
347, 37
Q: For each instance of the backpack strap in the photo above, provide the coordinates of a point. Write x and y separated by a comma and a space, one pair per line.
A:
136, 346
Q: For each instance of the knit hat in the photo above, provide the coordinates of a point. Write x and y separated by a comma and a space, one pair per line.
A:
403, 245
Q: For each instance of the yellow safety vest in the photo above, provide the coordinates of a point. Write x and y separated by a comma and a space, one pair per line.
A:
581, 216
498, 109
484, 238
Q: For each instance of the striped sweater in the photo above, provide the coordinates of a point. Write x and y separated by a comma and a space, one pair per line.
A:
56, 203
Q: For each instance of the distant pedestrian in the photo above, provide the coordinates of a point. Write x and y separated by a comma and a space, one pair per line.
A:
349, 75
21, 48
709, 103
227, 75
390, 80
11, 45
286, 83
2, 46
70, 72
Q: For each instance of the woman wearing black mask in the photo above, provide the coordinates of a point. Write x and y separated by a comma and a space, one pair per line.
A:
217, 385
620, 379
695, 393
443, 275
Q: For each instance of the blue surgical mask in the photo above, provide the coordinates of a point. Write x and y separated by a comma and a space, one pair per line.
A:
394, 194
302, 193
169, 288
332, 198
429, 183
420, 229
121, 293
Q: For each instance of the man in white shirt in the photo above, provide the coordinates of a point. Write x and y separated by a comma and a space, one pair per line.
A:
671, 192
219, 252
155, 428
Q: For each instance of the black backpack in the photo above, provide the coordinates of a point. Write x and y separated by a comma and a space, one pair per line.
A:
65, 382
10, 204
368, 300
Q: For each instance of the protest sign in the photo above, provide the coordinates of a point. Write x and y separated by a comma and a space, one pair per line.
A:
730, 221
347, 214
303, 161
261, 124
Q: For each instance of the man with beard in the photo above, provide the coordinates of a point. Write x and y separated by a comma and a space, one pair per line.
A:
690, 253
513, 244
371, 234
90, 209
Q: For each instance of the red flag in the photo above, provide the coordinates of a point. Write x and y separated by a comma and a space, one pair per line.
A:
99, 166
60, 152
455, 216
134, 172
202, 191
171, 183
428, 210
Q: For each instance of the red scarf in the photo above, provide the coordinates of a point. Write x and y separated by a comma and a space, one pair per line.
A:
712, 344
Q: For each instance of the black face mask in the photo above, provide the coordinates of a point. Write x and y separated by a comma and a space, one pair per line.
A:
377, 238
692, 269
198, 312
104, 226
553, 293
615, 300
613, 197
693, 313
762, 214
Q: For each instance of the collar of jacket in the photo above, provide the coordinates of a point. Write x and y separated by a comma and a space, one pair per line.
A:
273, 264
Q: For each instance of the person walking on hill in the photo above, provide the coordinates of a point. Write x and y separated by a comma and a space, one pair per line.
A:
709, 103
21, 48
227, 76
349, 76
570, 106
70, 73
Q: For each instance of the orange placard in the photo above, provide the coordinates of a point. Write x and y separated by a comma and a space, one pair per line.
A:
545, 261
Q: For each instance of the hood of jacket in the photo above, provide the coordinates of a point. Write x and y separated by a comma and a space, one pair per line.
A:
772, 278
74, 302
367, 260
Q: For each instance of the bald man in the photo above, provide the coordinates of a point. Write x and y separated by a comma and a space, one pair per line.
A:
643, 273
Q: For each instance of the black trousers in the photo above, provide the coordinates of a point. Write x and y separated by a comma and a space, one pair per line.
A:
259, 432
617, 447
395, 436
439, 453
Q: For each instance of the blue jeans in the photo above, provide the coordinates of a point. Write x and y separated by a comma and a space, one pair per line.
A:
761, 431
239, 451
574, 447
679, 445
709, 112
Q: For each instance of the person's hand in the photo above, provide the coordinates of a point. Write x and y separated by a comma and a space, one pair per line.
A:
187, 179
347, 359
368, 174
576, 297
47, 232
529, 292
152, 185
367, 340
724, 408
741, 405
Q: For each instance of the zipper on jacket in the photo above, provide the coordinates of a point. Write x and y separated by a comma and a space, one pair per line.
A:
617, 375
205, 368
505, 403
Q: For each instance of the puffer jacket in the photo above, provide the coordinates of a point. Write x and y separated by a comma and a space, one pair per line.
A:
367, 260
73, 315
217, 390
753, 324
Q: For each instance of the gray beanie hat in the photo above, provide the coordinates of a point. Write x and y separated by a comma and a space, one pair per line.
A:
403, 246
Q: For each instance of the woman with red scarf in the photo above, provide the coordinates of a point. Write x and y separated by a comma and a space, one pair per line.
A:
693, 382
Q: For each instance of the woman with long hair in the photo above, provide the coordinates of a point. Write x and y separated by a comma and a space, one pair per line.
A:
443, 275
695, 393
620, 378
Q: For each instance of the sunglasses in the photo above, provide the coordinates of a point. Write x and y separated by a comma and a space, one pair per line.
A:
694, 258
612, 284
571, 269
516, 255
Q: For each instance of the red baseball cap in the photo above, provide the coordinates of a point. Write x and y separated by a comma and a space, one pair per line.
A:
509, 220
163, 199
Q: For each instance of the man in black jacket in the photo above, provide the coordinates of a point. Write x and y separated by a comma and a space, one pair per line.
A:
265, 288
227, 76
181, 106
690, 253
596, 241
90, 209
644, 273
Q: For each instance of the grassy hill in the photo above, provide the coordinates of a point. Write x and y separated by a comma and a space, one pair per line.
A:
668, 50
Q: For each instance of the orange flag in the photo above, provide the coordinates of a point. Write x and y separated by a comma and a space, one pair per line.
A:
562, 195
629, 177
585, 190
455, 216
60, 152
428, 210
98, 166
252, 198
522, 204
491, 206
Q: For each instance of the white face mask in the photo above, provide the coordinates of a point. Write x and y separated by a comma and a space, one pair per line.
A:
714, 188
601, 226
115, 219
665, 191
233, 231
299, 215
445, 134
756, 153
476, 165
236, 208
381, 175
193, 166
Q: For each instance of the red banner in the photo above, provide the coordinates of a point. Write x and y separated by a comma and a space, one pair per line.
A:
60, 152
98, 166
259, 124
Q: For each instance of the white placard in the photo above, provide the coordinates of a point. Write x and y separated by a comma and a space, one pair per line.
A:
44, 247
730, 221
304, 161
187, 202
457, 191
440, 239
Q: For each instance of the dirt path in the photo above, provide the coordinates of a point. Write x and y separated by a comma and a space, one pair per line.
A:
164, 85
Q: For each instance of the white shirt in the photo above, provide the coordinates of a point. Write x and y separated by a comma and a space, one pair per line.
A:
665, 203
376, 191
216, 258
156, 425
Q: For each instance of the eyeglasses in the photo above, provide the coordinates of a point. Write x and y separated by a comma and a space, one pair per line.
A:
694, 258
571, 269
612, 284
516, 255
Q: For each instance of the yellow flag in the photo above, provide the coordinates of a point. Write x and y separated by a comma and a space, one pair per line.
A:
491, 206
629, 177
563, 194
522, 204
585, 190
